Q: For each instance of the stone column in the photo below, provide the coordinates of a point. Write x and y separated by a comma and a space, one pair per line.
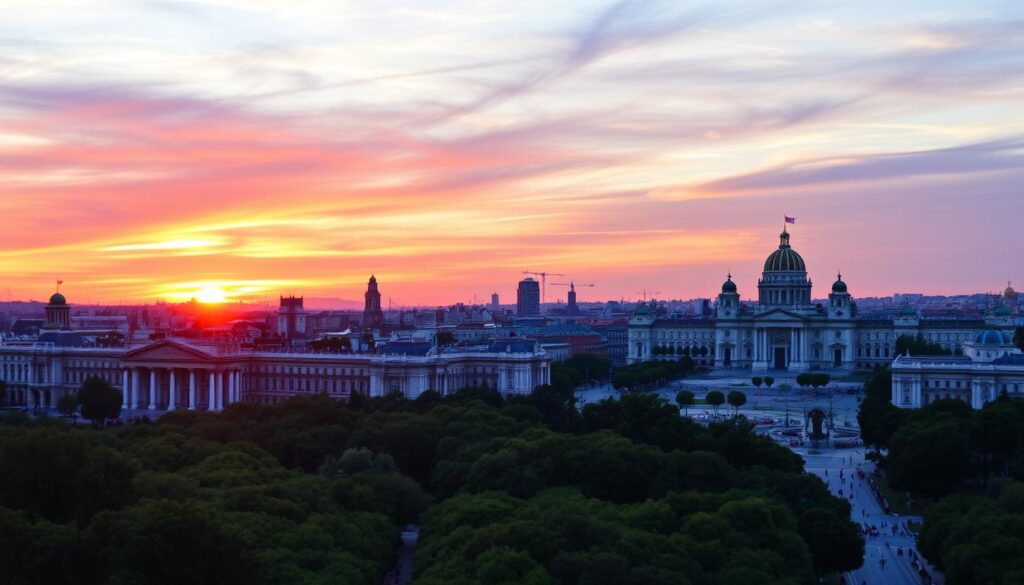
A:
191, 389
220, 391
172, 390
135, 388
124, 390
238, 385
211, 403
231, 386
152, 388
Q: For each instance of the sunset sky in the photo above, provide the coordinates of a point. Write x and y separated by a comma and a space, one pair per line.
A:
152, 149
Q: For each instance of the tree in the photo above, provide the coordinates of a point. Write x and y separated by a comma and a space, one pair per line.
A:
757, 381
99, 400
684, 398
736, 400
1018, 338
919, 346
446, 338
67, 405
835, 544
715, 399
768, 381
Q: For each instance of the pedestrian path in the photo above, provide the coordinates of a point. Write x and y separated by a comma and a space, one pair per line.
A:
890, 552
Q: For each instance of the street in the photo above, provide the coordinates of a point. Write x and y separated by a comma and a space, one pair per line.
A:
897, 570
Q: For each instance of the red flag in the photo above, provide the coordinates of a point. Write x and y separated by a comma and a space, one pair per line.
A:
789, 219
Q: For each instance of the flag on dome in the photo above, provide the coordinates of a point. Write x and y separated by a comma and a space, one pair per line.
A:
789, 219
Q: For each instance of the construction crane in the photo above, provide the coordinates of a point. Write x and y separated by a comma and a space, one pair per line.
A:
543, 281
646, 292
572, 285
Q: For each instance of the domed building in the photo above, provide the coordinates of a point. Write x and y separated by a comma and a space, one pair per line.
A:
785, 329
58, 313
990, 365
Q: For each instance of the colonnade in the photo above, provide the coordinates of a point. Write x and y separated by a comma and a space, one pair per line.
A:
209, 388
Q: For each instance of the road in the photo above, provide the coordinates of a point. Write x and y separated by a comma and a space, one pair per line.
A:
401, 573
897, 570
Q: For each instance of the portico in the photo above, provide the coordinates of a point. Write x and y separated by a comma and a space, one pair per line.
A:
168, 375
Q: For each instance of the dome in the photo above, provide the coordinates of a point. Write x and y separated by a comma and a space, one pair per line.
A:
785, 258
1002, 311
908, 311
642, 309
58, 299
729, 286
1009, 294
992, 337
839, 286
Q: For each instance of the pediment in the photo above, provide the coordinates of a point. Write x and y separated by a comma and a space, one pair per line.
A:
168, 350
780, 315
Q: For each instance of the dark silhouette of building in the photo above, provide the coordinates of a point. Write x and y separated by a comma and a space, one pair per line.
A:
373, 316
528, 298
571, 308
291, 318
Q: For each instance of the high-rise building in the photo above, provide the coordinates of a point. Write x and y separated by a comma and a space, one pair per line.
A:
291, 317
571, 308
528, 298
495, 305
373, 316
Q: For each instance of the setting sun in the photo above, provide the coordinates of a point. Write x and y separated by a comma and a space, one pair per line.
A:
211, 294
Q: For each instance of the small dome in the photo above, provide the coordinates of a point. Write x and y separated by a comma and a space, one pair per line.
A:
785, 258
908, 311
992, 337
642, 309
729, 286
839, 286
1002, 311
58, 299
1009, 294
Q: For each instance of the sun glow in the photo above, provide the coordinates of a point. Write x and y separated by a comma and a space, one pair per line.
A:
211, 295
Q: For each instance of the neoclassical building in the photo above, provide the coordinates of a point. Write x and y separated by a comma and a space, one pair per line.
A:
784, 329
175, 373
990, 366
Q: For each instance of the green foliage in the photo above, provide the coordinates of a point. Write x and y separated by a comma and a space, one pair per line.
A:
100, 401
523, 490
917, 345
768, 381
836, 545
976, 540
163, 504
560, 536
736, 399
67, 405
715, 398
650, 375
685, 399
757, 381
813, 379
1018, 338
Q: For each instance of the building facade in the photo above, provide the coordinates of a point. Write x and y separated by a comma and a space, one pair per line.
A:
528, 298
373, 314
174, 374
784, 329
990, 366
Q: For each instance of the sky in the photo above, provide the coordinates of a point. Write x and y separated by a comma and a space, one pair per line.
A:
154, 149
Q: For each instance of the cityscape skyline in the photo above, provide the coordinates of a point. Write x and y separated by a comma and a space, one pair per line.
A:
636, 145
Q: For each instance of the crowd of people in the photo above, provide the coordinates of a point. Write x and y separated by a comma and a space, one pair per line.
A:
858, 479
